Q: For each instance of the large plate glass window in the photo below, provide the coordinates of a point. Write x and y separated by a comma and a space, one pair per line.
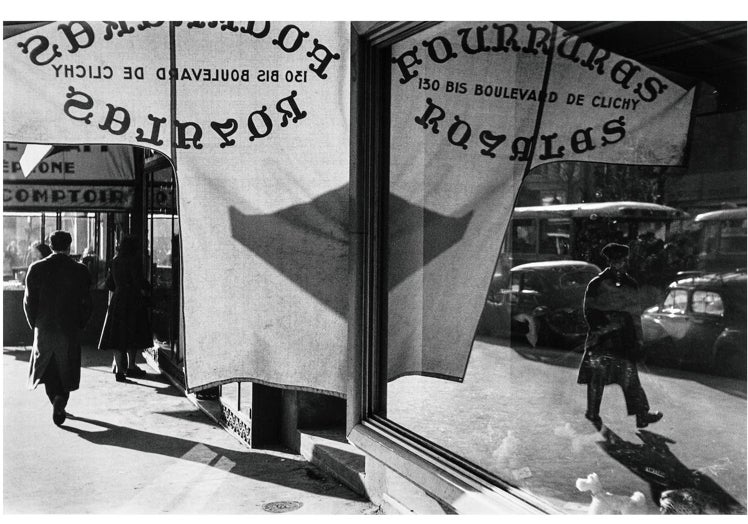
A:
464, 106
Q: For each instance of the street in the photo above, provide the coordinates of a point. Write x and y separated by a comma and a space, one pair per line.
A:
142, 447
519, 413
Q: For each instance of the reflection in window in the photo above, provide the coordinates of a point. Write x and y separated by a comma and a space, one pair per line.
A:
676, 301
523, 236
533, 282
710, 238
511, 407
554, 237
733, 236
708, 303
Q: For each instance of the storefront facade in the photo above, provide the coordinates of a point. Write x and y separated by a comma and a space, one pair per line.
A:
376, 335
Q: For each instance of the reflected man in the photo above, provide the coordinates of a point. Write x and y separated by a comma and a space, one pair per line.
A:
614, 339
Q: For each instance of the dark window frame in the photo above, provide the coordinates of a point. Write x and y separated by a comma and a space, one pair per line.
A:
367, 398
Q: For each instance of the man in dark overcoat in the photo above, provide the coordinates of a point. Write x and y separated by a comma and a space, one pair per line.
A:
614, 339
57, 304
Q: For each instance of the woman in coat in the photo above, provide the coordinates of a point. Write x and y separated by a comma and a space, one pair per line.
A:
614, 339
126, 327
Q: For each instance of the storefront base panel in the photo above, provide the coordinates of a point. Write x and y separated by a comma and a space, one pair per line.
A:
329, 451
403, 479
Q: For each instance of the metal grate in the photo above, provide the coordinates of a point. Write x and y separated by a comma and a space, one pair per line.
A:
282, 506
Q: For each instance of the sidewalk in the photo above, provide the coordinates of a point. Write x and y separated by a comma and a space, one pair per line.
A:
143, 447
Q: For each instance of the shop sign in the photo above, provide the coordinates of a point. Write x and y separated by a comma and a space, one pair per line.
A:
254, 118
71, 163
475, 106
34, 197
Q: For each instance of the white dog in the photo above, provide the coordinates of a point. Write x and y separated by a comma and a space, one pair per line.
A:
604, 503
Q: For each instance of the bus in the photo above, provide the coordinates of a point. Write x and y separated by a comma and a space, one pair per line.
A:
722, 240
579, 231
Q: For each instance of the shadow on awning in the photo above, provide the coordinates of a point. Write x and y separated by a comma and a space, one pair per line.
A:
308, 243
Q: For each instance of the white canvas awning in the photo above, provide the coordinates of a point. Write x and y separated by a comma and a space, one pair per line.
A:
255, 118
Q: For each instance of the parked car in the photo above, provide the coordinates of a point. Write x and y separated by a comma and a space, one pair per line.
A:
701, 323
541, 301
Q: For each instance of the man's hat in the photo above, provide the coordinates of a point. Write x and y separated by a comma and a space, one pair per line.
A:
615, 251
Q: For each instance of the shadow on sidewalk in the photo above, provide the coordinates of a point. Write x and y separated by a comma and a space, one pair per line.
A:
22, 353
654, 463
190, 415
253, 465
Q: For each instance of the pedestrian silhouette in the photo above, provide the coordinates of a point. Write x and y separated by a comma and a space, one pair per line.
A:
614, 339
126, 327
57, 304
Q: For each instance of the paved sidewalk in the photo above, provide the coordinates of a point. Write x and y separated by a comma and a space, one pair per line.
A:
142, 447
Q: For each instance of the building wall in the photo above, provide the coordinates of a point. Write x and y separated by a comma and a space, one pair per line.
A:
716, 169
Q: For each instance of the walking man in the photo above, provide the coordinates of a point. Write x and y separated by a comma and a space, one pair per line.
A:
614, 339
57, 304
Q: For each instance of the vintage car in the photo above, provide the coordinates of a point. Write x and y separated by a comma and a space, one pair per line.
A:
701, 324
541, 301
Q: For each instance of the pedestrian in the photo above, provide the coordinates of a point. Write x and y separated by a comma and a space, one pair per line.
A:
37, 251
614, 339
126, 326
57, 304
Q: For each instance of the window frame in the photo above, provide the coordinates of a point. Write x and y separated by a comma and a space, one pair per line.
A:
432, 467
674, 292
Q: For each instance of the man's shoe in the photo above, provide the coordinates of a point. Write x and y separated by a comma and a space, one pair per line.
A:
58, 411
119, 377
595, 419
645, 419
136, 372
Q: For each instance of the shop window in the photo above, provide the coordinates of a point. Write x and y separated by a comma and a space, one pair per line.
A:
510, 412
21, 232
160, 245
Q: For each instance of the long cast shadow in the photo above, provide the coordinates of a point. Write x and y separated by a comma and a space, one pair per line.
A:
22, 353
308, 243
654, 463
265, 468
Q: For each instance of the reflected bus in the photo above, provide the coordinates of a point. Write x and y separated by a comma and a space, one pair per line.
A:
722, 240
579, 231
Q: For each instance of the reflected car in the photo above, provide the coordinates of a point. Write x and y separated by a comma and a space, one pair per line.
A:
541, 302
701, 324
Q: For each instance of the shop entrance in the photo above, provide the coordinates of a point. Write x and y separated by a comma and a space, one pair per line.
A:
161, 248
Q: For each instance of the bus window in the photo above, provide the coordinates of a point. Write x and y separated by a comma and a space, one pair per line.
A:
524, 236
659, 229
554, 237
722, 240
733, 236
710, 238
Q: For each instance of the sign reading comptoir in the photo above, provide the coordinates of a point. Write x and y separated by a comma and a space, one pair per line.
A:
94, 197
